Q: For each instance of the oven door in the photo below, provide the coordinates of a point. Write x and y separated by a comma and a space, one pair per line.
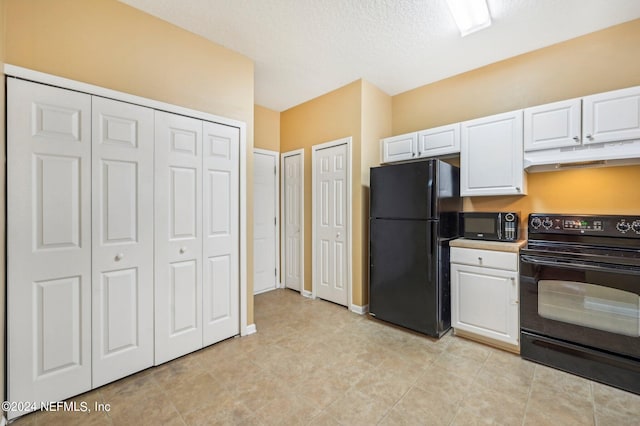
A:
592, 304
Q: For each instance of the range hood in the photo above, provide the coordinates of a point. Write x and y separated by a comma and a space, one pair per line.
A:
606, 154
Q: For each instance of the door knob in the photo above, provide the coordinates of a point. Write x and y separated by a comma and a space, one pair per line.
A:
183, 250
119, 257
338, 235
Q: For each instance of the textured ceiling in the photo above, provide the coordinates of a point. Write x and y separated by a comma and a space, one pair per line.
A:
305, 48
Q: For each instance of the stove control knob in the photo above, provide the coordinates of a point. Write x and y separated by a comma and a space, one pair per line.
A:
636, 226
536, 222
623, 226
547, 223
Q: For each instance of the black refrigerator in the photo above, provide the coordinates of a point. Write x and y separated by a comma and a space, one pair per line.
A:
413, 216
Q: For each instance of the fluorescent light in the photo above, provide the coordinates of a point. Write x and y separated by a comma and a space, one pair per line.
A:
470, 15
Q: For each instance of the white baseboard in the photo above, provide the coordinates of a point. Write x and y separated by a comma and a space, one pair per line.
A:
251, 329
360, 309
307, 294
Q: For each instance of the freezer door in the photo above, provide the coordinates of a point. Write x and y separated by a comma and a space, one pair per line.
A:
404, 274
404, 191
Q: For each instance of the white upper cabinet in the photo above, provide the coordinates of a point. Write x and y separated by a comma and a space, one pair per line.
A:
491, 160
439, 141
612, 116
601, 129
553, 125
443, 140
399, 148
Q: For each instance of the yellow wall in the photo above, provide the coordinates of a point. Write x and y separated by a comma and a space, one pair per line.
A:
2, 198
359, 110
332, 116
597, 62
267, 128
376, 124
109, 44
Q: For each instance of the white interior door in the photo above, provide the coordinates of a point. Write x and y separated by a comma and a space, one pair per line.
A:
264, 220
293, 218
49, 242
220, 287
331, 223
178, 236
122, 239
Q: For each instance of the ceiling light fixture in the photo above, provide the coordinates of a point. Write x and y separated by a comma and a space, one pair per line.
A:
470, 15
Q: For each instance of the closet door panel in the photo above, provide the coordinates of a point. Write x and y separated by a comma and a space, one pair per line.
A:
122, 253
48, 242
178, 236
221, 232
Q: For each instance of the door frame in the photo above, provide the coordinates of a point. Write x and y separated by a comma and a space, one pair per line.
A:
12, 71
283, 212
349, 206
276, 205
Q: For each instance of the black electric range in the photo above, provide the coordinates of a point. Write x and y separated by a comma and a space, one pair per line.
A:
580, 296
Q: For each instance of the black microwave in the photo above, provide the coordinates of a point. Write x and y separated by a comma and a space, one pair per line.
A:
492, 226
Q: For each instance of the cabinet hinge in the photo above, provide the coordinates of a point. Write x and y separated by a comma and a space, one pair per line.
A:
275, 170
276, 272
275, 221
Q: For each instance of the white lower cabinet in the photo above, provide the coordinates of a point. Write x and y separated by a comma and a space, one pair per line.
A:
105, 275
485, 294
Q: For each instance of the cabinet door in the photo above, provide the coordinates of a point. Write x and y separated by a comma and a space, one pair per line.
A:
553, 125
178, 236
399, 148
484, 301
48, 242
611, 116
122, 237
220, 287
491, 160
439, 141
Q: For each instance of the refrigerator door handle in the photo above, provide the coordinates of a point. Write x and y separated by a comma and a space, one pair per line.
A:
430, 229
430, 191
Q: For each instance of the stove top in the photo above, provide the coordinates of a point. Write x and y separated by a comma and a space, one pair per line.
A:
594, 238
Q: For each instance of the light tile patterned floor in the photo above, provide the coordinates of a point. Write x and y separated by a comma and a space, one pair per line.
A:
315, 363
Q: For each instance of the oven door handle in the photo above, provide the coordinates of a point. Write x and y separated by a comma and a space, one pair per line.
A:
579, 264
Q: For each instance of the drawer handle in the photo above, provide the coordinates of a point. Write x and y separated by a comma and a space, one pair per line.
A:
119, 257
183, 250
479, 259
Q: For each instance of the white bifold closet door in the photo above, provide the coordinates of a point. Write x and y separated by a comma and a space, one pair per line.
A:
178, 236
197, 234
221, 281
49, 242
122, 239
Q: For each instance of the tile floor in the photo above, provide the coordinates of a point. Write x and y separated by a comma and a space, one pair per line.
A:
315, 363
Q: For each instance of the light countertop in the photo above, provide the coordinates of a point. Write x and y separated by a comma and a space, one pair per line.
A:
488, 245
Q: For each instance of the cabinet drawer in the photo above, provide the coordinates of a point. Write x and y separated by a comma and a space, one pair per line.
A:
485, 258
